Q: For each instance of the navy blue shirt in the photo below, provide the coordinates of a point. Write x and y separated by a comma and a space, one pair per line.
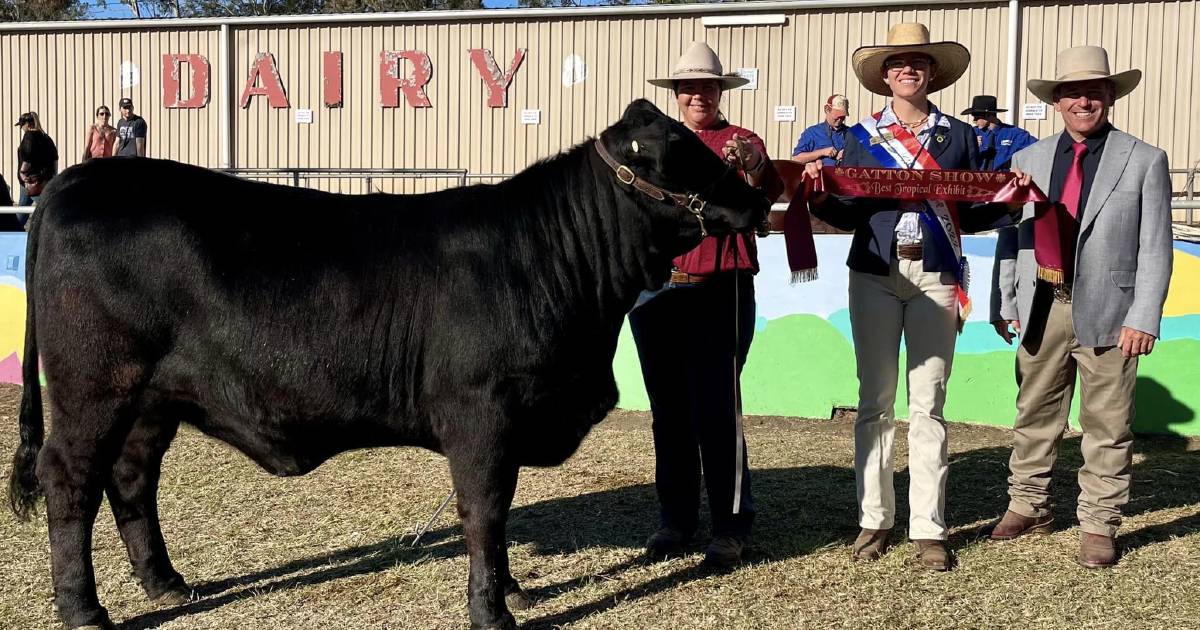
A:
821, 136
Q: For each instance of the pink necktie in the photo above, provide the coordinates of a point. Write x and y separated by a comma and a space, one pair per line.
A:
1074, 182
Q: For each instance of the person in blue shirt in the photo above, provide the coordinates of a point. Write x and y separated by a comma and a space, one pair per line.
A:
998, 141
825, 140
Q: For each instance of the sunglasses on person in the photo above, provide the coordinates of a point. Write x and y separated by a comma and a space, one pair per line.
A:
103, 113
919, 63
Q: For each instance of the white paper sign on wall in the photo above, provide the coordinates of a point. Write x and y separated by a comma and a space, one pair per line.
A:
131, 75
785, 113
531, 116
751, 74
1033, 111
574, 70
304, 116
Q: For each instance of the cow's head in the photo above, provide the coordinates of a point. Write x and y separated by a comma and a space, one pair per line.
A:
700, 193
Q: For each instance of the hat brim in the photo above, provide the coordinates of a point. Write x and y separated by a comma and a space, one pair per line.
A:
952, 59
1124, 82
972, 111
727, 81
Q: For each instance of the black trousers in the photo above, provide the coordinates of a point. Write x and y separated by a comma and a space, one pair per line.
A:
687, 339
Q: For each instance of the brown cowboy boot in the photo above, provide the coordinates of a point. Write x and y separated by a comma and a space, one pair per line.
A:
1096, 551
1013, 525
870, 544
933, 554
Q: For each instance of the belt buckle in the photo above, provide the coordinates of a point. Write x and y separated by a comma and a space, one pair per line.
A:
1062, 294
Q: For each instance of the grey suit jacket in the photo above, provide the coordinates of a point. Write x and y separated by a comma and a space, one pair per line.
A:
1124, 255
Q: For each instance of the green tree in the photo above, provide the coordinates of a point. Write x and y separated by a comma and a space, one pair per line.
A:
41, 10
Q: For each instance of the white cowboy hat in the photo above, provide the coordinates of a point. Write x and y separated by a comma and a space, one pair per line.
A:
699, 62
1084, 63
952, 58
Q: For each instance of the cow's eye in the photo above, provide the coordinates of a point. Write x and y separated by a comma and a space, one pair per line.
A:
634, 145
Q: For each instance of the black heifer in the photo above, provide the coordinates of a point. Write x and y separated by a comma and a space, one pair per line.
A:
478, 322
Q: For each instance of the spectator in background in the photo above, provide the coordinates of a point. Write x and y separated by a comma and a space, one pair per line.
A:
101, 136
997, 140
131, 131
37, 159
8, 222
825, 140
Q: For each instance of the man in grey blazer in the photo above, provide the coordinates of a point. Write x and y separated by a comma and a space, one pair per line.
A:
1086, 296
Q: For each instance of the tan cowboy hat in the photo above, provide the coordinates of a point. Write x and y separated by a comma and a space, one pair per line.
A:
952, 58
1084, 63
699, 62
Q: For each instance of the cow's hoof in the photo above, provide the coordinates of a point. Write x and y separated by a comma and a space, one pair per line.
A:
172, 598
103, 624
518, 600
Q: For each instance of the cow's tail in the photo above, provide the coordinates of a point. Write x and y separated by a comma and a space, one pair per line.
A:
23, 488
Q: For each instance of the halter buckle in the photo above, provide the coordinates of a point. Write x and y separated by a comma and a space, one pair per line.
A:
625, 175
695, 204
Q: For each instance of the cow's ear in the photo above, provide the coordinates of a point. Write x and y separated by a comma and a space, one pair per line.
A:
641, 112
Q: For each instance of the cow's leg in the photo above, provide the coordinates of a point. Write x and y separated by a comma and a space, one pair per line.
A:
72, 469
133, 496
485, 491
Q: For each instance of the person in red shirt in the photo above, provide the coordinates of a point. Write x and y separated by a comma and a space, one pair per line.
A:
693, 337
101, 135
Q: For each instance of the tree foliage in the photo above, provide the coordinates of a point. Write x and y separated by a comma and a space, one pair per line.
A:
41, 10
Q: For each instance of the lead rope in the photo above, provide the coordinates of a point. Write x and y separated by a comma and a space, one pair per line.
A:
737, 393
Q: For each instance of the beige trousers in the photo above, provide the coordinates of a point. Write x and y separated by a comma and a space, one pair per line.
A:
1047, 361
921, 306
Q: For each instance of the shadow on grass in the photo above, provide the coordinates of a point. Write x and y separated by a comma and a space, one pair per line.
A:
801, 510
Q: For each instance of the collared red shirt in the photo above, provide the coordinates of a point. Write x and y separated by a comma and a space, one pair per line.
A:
726, 253
908, 227
821, 136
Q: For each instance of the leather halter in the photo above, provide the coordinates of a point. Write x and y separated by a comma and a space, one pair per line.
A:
691, 202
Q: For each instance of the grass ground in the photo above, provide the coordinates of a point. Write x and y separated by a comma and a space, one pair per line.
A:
332, 549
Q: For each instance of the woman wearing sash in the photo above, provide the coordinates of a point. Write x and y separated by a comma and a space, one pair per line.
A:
693, 337
907, 277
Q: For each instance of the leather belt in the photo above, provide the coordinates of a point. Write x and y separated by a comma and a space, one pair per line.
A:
913, 251
680, 277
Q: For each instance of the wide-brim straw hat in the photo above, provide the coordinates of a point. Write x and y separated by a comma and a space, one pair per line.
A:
1084, 63
699, 62
952, 58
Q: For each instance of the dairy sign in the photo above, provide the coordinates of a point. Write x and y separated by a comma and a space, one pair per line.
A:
402, 75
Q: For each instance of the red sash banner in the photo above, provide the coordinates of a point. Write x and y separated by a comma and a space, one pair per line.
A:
898, 184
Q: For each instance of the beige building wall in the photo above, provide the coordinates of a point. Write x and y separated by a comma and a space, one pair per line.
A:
63, 74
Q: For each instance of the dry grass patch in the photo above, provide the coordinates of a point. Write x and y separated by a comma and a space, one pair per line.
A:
331, 549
